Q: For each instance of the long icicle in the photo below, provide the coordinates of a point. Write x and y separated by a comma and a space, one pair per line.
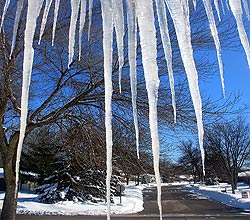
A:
183, 33
167, 47
236, 8
82, 22
16, 23
223, 7
72, 28
131, 20
6, 5
56, 10
44, 19
32, 14
213, 28
107, 50
90, 17
118, 15
145, 16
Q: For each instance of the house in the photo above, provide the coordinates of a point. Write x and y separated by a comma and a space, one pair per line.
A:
2, 183
244, 177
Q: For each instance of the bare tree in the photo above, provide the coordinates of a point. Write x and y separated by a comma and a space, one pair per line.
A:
190, 160
228, 145
58, 92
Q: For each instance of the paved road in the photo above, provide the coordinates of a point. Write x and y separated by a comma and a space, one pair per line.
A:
177, 203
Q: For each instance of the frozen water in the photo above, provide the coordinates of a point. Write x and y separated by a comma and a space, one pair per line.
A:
145, 16
56, 10
90, 16
209, 11
216, 3
82, 22
6, 5
16, 23
236, 8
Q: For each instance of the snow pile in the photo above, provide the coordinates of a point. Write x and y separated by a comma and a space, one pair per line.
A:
223, 194
132, 202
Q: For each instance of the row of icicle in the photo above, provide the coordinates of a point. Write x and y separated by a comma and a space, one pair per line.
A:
139, 14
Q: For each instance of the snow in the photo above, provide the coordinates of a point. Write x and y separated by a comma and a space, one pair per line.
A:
216, 192
132, 202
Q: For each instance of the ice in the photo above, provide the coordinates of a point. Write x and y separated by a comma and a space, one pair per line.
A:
227, 4
107, 18
118, 14
131, 20
56, 10
32, 14
194, 4
222, 5
236, 9
72, 29
216, 3
6, 5
183, 33
90, 16
162, 17
145, 16
82, 22
213, 28
245, 4
45, 17
16, 23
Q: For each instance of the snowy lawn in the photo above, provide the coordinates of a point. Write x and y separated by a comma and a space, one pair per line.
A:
223, 194
132, 202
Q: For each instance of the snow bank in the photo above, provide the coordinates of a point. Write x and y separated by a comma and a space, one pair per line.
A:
132, 202
223, 194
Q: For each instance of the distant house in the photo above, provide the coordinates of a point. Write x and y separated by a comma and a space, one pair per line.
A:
2, 183
244, 177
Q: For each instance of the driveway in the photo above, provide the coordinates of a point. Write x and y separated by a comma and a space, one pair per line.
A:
177, 203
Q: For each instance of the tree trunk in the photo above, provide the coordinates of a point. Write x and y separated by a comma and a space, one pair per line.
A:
9, 165
233, 184
10, 203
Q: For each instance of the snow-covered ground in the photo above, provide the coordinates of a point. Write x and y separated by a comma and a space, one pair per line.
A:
132, 202
223, 194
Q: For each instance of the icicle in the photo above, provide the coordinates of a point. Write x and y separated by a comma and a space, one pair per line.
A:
131, 20
194, 4
227, 4
183, 34
236, 8
145, 16
209, 12
32, 14
7, 3
222, 5
161, 12
82, 22
216, 3
16, 23
118, 15
57, 4
72, 28
107, 50
44, 19
245, 4
90, 16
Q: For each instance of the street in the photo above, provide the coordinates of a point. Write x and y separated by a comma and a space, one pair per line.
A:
178, 204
